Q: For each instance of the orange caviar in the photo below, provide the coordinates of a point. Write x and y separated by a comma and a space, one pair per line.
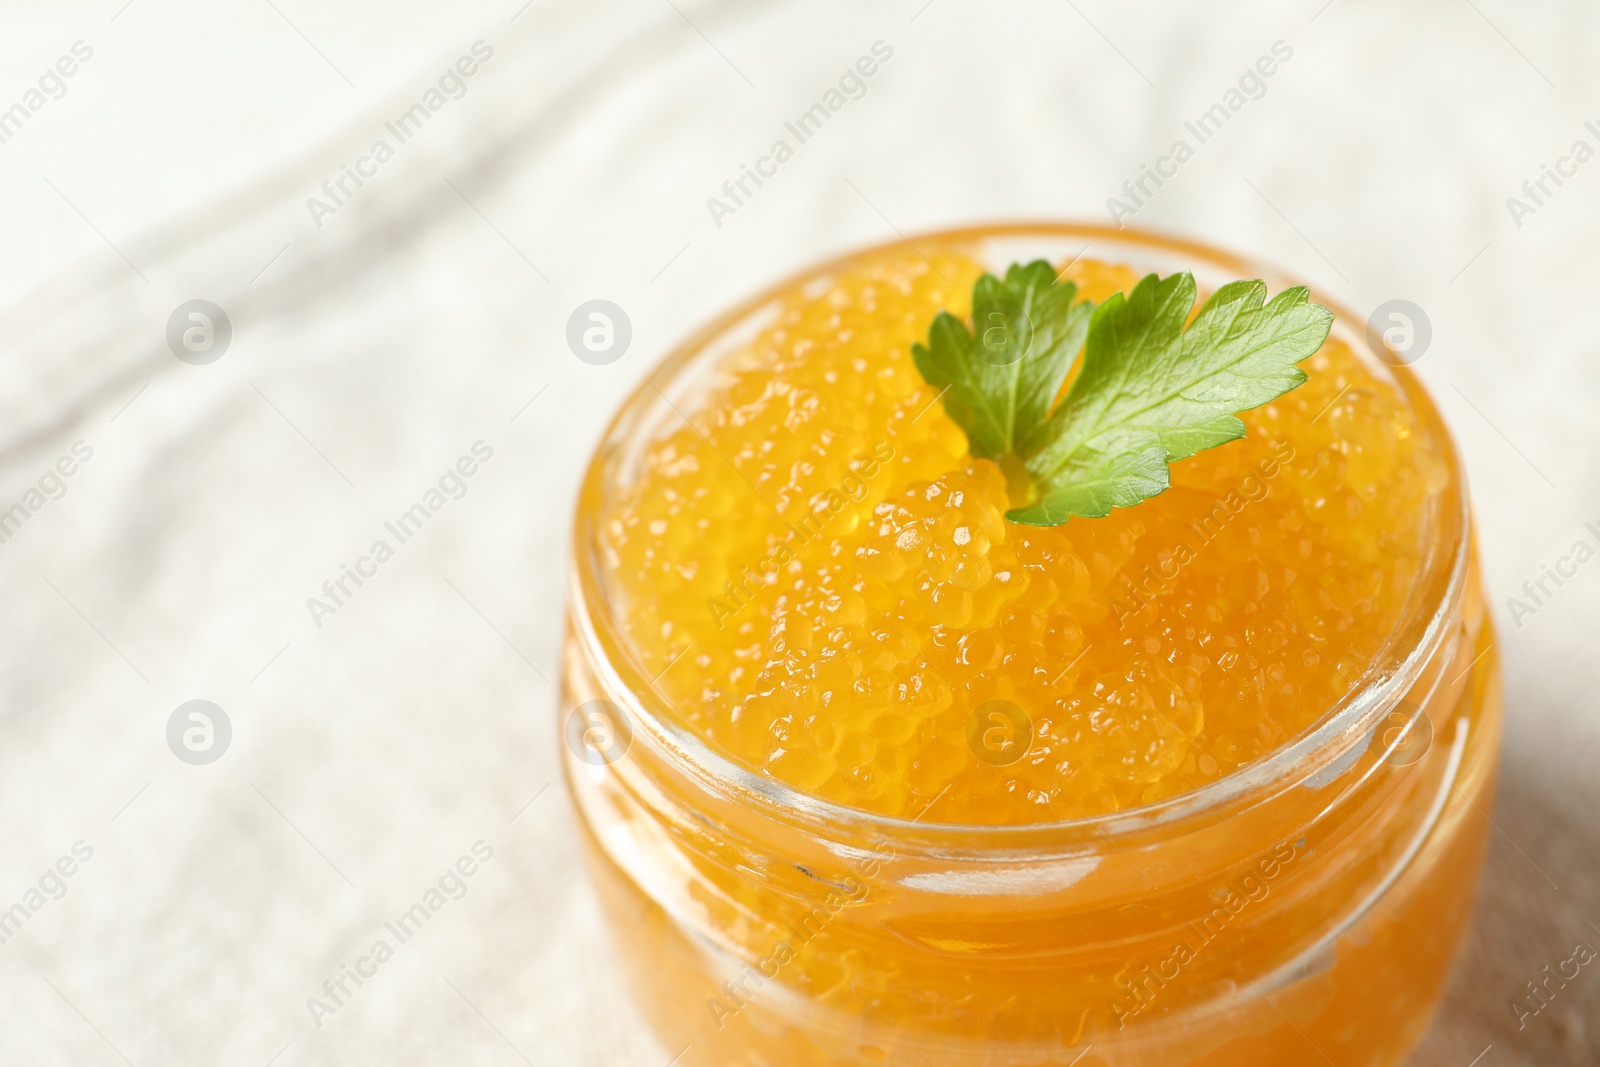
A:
824, 581
799, 622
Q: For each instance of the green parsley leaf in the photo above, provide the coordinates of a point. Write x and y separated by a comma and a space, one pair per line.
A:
1000, 381
1150, 391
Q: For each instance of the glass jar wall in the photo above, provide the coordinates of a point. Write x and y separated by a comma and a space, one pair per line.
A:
1303, 908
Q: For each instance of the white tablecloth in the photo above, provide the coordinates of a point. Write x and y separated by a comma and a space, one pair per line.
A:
378, 338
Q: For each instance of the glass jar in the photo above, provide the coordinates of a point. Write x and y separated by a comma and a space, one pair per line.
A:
1301, 910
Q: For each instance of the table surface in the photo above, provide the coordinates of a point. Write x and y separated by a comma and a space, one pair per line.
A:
378, 334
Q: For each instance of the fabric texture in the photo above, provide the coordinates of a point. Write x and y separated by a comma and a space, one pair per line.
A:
388, 338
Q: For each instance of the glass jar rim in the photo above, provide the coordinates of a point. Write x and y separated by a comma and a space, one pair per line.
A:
1435, 599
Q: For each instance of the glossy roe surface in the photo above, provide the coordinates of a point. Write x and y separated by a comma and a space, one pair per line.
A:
827, 587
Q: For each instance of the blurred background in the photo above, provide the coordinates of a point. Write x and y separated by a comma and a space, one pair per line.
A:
173, 488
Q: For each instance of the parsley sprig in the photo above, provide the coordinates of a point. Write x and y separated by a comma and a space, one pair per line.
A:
1151, 390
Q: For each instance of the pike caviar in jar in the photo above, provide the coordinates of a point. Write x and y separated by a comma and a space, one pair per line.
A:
870, 774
